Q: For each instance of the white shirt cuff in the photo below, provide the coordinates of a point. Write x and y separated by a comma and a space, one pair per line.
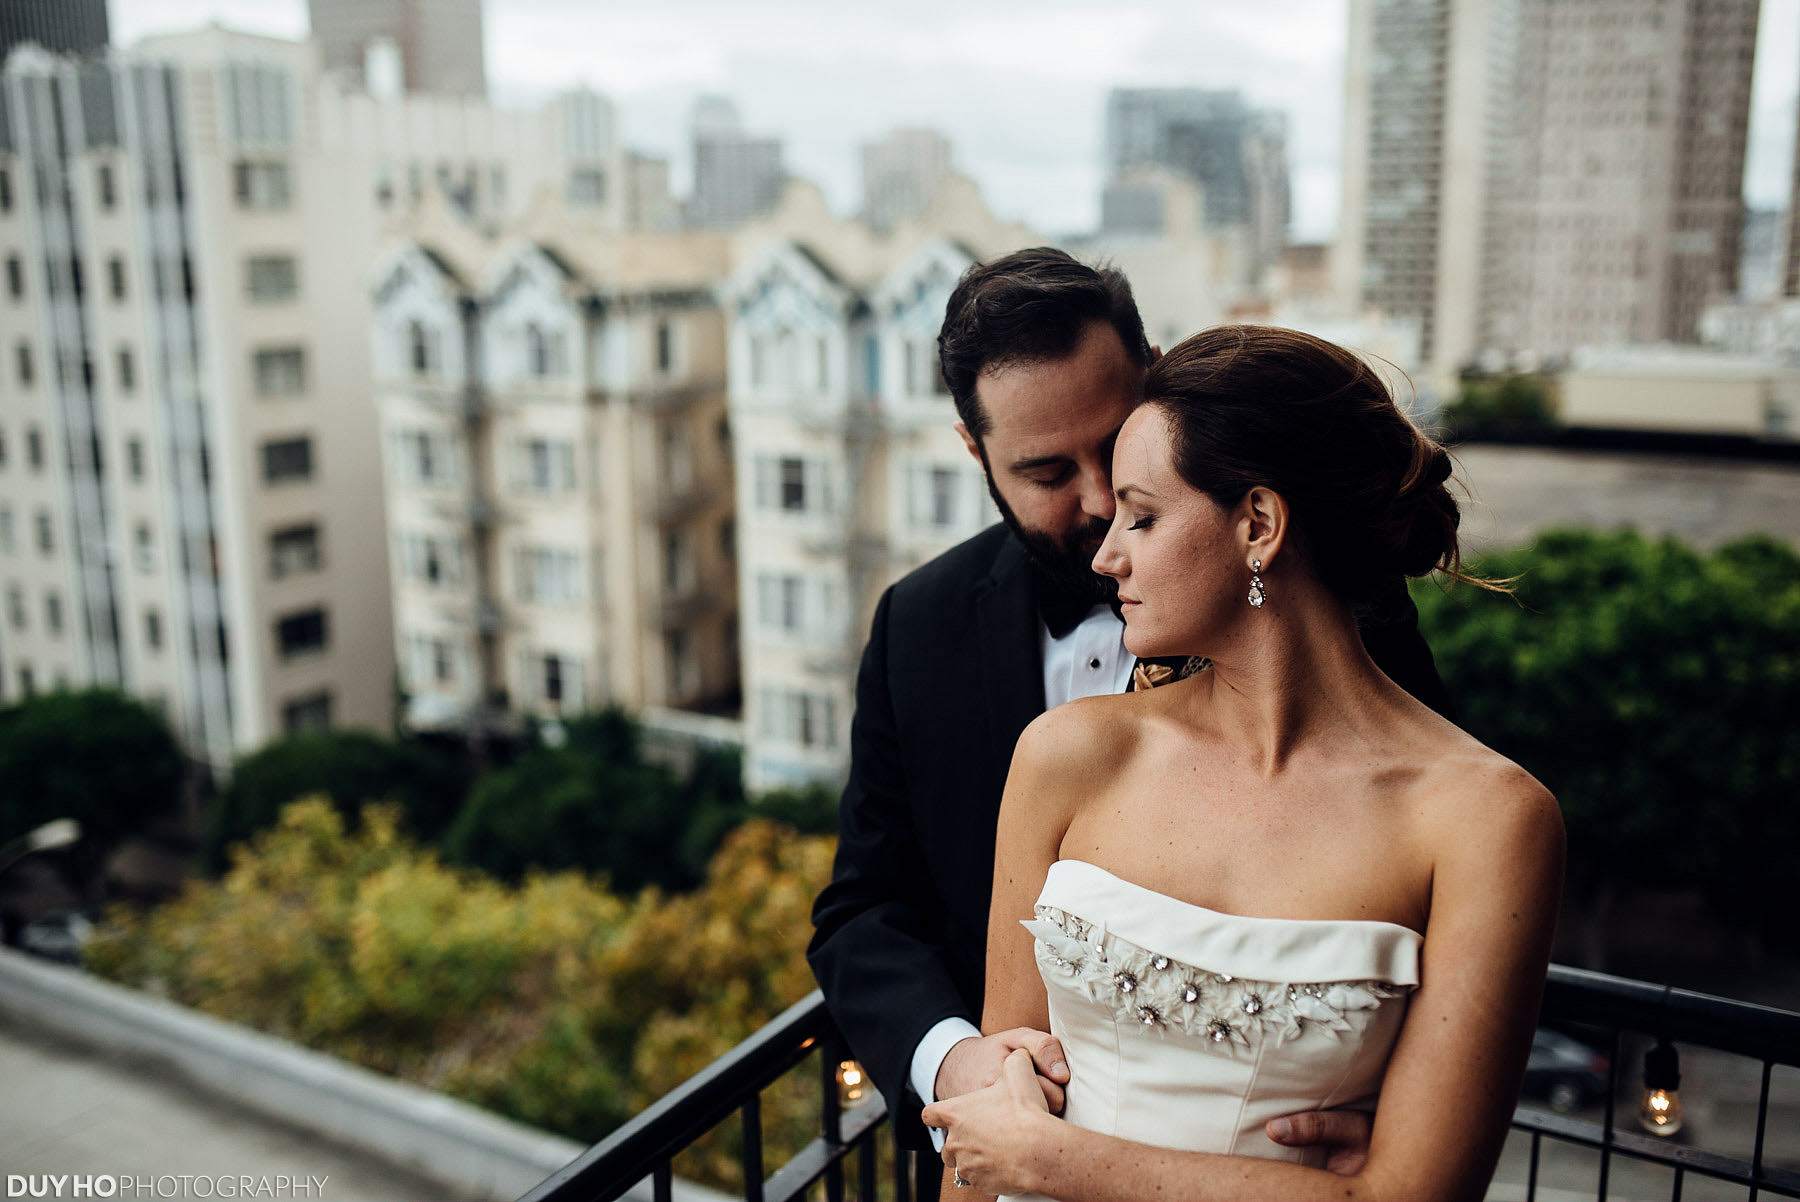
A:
928, 1058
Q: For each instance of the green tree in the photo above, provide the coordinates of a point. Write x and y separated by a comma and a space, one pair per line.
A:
1652, 689
597, 804
351, 767
96, 756
1500, 405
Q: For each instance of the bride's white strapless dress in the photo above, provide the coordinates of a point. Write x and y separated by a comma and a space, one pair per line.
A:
1190, 1029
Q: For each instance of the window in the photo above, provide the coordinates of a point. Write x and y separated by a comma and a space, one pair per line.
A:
153, 629
430, 661
301, 633
53, 613
293, 550
25, 372
806, 719
46, 533
679, 573
547, 576
15, 607
134, 459
34, 448
307, 714
555, 679
935, 499
665, 346
15, 277
262, 185
547, 465
271, 278
287, 459
432, 559
543, 351
143, 547
587, 186
27, 682
425, 457
421, 348
795, 604
5, 191
127, 370
791, 485
6, 528
682, 667
280, 371
2, 448
108, 194
115, 277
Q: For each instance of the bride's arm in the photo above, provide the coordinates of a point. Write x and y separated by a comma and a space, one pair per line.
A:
1058, 757
1450, 1085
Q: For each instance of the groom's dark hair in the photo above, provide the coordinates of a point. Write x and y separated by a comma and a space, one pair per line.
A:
1028, 307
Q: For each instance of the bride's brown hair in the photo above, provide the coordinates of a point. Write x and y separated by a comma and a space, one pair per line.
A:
1260, 405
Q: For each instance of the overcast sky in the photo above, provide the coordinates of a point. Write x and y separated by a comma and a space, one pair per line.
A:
1019, 86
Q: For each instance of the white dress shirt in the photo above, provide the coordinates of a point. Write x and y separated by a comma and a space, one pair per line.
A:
1086, 662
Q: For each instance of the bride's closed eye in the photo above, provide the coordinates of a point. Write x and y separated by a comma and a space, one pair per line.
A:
1143, 523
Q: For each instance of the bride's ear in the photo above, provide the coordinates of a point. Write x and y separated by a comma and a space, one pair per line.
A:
1265, 520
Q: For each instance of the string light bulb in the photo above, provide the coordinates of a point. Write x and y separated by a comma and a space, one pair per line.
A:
853, 1084
1660, 1113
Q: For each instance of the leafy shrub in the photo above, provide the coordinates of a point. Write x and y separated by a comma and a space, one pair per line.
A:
351, 768
96, 756
1501, 405
1652, 688
552, 1001
596, 804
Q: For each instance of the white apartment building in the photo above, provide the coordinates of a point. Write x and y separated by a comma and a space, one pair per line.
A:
558, 469
190, 480
1528, 176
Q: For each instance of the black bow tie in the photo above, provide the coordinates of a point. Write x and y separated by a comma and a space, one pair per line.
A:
1063, 610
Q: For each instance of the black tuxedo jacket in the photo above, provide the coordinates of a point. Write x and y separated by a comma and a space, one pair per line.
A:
950, 678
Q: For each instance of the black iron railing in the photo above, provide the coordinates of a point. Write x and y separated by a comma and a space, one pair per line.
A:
644, 1149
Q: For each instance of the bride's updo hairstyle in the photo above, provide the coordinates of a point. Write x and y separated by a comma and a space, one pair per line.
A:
1259, 405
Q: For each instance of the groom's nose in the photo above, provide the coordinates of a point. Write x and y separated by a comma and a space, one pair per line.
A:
1096, 492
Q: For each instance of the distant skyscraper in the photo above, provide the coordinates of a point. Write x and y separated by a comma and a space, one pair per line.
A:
901, 175
1531, 176
439, 40
1790, 274
1237, 154
65, 26
736, 176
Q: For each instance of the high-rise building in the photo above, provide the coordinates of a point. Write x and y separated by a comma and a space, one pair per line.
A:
190, 467
1528, 177
552, 403
62, 26
1237, 154
901, 175
438, 42
1790, 268
737, 175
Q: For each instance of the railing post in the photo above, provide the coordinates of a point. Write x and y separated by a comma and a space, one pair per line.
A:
831, 1056
753, 1150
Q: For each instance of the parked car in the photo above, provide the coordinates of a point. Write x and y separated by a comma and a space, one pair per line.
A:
1563, 1072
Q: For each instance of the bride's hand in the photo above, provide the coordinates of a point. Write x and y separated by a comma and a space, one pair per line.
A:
995, 1136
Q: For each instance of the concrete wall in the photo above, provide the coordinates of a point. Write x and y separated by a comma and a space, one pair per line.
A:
1516, 491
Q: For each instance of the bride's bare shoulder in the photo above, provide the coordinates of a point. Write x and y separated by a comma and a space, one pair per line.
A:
1077, 745
1475, 798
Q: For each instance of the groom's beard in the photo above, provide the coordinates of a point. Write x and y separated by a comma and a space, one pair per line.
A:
1064, 562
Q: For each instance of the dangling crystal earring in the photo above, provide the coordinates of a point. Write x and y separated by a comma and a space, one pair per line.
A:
1257, 595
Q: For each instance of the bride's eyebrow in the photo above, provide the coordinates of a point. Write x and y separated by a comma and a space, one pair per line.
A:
1136, 488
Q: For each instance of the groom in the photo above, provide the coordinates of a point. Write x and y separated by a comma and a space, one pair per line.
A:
1044, 358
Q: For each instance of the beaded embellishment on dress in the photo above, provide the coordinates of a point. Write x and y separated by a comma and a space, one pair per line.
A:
1152, 990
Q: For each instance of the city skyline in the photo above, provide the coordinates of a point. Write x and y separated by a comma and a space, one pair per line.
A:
1019, 91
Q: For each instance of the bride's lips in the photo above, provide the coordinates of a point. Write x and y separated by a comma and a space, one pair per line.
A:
1125, 604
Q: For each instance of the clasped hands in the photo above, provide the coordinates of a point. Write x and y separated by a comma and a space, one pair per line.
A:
998, 1094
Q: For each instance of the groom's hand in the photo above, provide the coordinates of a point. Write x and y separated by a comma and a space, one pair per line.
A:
1345, 1132
975, 1064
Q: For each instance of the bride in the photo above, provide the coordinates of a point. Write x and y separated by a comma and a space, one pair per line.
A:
1280, 883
